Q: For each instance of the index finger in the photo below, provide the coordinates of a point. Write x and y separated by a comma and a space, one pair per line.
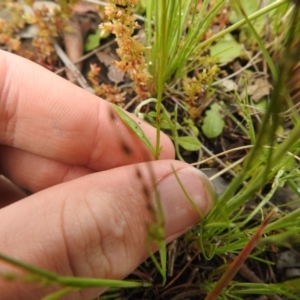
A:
46, 115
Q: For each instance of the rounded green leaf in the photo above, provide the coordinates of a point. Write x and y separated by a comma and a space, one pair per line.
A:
213, 123
226, 49
189, 143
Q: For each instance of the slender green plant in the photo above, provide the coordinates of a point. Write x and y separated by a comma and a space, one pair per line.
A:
171, 43
68, 284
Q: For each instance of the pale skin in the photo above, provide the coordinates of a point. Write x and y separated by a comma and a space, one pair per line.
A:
86, 213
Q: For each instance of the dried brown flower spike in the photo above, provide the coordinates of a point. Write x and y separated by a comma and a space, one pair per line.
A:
122, 23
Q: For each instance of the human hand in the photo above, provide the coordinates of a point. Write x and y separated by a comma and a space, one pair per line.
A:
55, 138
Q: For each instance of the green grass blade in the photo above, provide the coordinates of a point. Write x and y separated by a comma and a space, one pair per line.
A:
37, 274
136, 129
260, 43
237, 25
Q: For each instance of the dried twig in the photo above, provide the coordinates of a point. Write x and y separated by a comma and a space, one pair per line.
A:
75, 72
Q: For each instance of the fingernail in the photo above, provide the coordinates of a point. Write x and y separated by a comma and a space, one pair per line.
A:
179, 213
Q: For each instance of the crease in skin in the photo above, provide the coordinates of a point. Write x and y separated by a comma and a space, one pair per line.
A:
120, 233
83, 237
6, 115
95, 250
49, 172
98, 136
64, 238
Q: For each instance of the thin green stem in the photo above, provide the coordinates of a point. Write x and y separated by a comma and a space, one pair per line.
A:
237, 25
78, 282
260, 43
161, 21
148, 30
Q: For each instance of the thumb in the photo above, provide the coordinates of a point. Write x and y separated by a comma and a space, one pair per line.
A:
95, 226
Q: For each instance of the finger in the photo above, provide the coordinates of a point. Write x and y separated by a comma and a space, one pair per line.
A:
35, 173
44, 114
95, 226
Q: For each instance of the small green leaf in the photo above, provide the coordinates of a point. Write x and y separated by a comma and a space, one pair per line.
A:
226, 49
164, 120
250, 7
152, 114
190, 123
135, 128
92, 41
213, 123
189, 143
195, 130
